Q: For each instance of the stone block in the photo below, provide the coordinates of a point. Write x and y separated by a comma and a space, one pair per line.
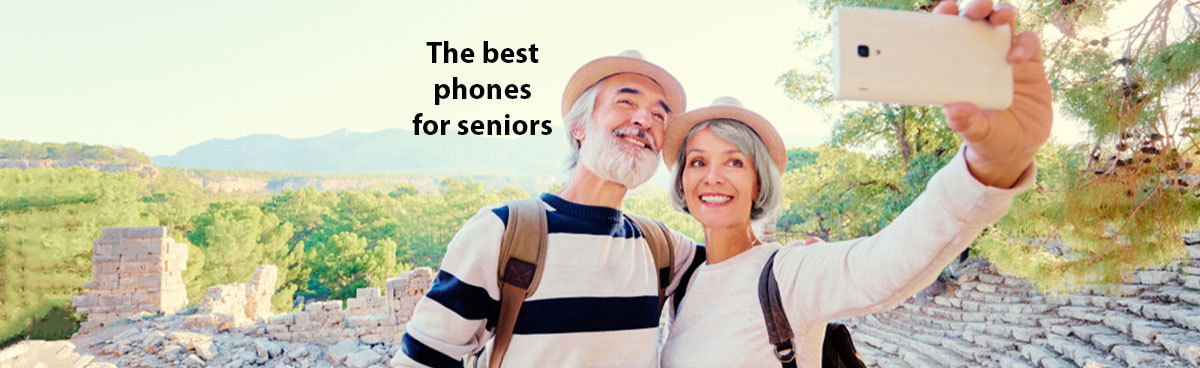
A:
144, 232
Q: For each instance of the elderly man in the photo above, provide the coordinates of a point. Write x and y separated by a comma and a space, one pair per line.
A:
598, 298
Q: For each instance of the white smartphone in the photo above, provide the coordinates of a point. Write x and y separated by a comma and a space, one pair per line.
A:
916, 58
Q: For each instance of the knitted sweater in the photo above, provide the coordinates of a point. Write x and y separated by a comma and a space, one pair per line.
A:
596, 305
720, 323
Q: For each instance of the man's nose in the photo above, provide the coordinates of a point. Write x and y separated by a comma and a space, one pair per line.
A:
642, 118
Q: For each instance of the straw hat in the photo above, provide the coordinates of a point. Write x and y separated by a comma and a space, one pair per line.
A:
627, 62
723, 108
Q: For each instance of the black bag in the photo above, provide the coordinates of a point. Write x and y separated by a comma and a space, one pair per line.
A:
838, 351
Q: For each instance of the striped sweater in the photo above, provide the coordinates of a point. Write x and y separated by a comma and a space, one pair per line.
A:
596, 305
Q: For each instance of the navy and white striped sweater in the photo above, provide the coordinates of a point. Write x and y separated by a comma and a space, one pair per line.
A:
596, 305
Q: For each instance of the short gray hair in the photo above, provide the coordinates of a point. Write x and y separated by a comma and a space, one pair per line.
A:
770, 190
580, 116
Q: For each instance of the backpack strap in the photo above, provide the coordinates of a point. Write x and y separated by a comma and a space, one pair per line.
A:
681, 290
522, 255
661, 248
779, 331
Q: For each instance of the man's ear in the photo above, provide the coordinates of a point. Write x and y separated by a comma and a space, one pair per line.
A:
577, 131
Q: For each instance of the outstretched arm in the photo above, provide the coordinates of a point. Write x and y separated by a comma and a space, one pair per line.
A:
871, 274
826, 281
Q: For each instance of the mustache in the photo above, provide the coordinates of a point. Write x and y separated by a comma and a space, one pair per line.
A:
635, 132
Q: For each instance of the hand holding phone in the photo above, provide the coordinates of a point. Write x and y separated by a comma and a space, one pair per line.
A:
917, 58
1000, 141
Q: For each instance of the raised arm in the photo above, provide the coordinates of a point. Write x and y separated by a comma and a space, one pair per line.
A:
870, 274
827, 281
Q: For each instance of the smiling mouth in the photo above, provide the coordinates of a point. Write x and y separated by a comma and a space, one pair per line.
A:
635, 141
715, 199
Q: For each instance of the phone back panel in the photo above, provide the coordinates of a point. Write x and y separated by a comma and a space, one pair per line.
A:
920, 59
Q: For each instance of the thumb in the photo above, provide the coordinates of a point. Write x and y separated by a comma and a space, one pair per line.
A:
966, 119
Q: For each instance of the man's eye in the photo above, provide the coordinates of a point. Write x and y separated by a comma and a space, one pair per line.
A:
660, 117
624, 101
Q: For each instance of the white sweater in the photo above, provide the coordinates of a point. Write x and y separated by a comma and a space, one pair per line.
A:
596, 305
720, 323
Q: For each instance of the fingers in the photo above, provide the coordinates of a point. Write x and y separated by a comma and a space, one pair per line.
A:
966, 119
978, 9
947, 7
1003, 14
1026, 47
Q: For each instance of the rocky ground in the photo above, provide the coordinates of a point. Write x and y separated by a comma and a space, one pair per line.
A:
162, 342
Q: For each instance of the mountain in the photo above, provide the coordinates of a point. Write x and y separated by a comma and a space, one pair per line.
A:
391, 150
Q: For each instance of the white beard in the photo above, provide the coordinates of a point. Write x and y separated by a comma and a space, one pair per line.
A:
612, 160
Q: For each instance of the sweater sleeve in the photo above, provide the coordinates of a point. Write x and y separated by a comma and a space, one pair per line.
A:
827, 281
458, 314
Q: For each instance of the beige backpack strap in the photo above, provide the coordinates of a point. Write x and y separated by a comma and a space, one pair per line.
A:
658, 237
522, 257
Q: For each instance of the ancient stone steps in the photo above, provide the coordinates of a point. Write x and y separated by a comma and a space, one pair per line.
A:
896, 345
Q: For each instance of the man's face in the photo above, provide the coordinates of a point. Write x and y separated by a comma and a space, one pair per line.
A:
623, 143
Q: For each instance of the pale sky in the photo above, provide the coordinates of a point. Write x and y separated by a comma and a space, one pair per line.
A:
160, 76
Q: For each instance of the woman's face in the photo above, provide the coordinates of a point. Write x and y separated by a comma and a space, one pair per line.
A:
719, 182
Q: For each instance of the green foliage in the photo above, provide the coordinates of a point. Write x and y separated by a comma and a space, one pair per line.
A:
27, 151
45, 249
49, 319
238, 237
659, 208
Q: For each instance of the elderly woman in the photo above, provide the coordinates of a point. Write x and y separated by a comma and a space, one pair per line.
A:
726, 163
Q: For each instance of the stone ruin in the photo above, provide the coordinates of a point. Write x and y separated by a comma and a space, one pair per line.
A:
986, 318
137, 269
140, 270
232, 305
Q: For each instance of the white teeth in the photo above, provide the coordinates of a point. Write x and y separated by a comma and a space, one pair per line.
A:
637, 142
715, 199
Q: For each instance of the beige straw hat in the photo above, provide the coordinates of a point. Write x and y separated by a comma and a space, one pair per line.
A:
627, 62
723, 108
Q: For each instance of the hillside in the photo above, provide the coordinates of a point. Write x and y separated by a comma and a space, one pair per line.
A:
391, 150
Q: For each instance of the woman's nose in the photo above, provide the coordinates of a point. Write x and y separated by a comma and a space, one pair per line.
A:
713, 176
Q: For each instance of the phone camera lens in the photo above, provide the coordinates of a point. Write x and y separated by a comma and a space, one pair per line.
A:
864, 51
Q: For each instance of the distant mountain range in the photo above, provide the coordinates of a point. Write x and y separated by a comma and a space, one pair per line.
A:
391, 150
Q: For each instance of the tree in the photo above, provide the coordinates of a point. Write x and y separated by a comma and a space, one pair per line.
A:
1122, 201
236, 238
1120, 204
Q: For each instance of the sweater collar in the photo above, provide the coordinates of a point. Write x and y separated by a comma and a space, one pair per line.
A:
595, 213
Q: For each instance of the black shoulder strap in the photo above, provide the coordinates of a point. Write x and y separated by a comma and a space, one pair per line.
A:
779, 331
681, 290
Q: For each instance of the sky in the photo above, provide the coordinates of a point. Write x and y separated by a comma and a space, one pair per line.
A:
160, 76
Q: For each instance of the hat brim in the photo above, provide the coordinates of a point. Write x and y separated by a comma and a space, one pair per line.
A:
679, 126
604, 67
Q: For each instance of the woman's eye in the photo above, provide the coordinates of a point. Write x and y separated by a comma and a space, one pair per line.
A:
735, 163
696, 163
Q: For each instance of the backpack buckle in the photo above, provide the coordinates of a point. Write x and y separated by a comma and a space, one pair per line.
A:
785, 352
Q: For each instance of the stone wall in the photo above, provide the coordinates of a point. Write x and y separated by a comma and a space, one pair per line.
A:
133, 270
369, 317
986, 318
233, 305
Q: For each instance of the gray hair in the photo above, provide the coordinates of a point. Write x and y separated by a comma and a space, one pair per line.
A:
580, 116
770, 192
